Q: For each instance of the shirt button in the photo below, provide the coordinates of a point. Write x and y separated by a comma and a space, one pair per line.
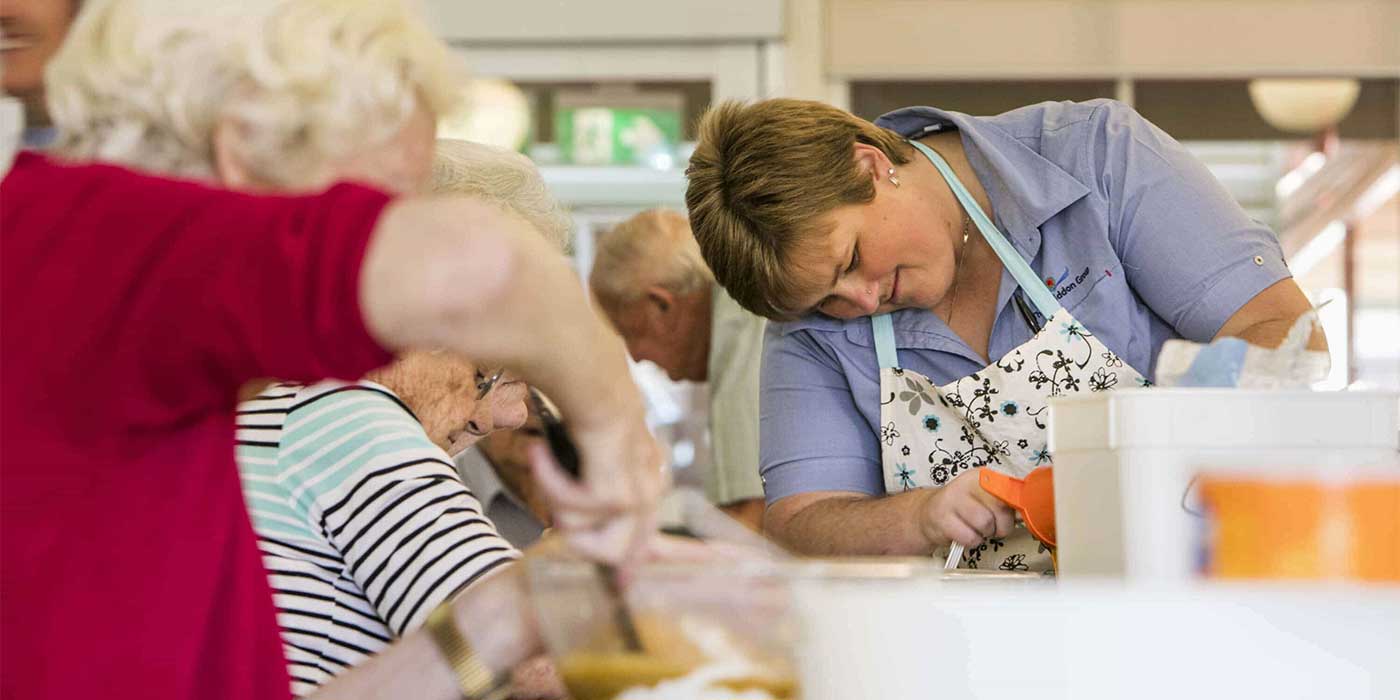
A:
1258, 260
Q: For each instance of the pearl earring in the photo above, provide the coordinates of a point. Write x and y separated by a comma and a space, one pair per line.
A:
893, 180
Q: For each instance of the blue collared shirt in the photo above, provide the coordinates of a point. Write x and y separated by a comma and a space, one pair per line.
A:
39, 138
1134, 235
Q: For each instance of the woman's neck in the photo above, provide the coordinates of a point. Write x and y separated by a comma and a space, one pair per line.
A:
970, 311
949, 144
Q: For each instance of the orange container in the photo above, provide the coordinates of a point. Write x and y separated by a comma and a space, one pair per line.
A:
1261, 527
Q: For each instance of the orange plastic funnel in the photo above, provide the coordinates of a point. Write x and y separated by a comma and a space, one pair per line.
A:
1033, 498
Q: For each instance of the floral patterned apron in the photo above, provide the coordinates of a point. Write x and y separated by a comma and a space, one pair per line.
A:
993, 418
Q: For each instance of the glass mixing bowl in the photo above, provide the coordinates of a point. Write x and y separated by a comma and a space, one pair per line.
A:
721, 630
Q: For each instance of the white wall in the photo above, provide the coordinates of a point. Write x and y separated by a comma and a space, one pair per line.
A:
1109, 38
591, 21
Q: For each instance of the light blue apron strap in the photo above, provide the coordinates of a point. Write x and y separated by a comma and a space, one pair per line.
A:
1018, 267
883, 326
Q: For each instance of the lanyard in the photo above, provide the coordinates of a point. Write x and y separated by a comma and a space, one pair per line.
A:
1029, 281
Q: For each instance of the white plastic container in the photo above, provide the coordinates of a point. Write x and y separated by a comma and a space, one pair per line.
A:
1125, 461
923, 639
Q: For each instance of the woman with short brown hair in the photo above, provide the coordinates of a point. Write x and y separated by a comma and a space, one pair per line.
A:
940, 276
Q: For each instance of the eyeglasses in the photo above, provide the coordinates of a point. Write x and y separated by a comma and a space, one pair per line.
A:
484, 384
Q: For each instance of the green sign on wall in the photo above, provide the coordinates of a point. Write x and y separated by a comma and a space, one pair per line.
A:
617, 135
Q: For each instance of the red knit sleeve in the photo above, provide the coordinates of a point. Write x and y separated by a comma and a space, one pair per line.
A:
165, 296
285, 277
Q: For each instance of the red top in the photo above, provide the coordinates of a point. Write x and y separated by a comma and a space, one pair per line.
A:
133, 308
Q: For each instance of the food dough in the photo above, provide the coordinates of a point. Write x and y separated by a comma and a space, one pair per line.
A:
685, 659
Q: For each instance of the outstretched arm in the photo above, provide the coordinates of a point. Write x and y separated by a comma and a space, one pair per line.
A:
461, 274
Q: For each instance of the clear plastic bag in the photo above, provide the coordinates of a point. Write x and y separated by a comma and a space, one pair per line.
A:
1232, 362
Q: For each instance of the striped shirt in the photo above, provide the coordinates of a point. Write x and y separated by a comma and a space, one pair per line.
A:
363, 523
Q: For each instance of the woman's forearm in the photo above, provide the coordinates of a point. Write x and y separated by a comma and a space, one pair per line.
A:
495, 617
465, 275
411, 667
841, 524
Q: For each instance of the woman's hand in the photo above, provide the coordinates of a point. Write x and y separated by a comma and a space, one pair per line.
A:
963, 512
609, 514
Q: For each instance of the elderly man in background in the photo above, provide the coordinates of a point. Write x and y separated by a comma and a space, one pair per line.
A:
363, 527
649, 278
129, 566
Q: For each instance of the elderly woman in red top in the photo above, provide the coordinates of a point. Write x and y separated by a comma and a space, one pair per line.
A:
134, 307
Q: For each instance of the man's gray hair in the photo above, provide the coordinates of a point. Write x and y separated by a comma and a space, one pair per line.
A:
505, 178
654, 247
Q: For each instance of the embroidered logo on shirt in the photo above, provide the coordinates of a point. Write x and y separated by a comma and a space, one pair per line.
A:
1061, 285
1061, 288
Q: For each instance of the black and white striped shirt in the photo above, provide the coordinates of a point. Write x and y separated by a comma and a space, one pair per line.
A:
363, 523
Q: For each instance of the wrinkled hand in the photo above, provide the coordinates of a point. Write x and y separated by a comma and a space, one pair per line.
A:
963, 512
659, 548
610, 513
673, 549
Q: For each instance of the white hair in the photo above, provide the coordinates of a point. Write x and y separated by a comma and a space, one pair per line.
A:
503, 177
654, 247
146, 82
